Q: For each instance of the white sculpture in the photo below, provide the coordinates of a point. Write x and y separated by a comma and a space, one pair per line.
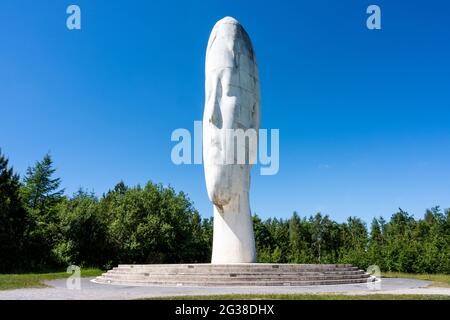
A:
232, 101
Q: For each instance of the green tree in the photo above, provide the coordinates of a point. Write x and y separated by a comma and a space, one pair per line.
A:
263, 240
375, 254
434, 249
41, 195
279, 232
317, 235
82, 236
300, 240
41, 189
355, 242
13, 219
401, 247
294, 234
154, 224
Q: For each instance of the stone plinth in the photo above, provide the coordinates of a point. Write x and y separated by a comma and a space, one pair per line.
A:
241, 274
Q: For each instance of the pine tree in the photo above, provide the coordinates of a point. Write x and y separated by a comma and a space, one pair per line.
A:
41, 189
13, 218
41, 195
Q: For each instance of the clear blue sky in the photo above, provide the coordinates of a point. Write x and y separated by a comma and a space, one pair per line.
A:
364, 116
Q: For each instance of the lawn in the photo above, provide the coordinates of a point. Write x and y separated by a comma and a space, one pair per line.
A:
439, 280
34, 280
309, 296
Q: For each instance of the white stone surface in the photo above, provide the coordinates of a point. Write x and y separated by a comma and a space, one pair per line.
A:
232, 101
94, 291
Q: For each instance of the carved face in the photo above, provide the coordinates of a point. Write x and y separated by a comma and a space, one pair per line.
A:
232, 101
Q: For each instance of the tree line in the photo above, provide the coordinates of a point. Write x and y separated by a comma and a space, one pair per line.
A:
42, 228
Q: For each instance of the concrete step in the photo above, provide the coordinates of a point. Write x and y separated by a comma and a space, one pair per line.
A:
228, 276
225, 280
231, 283
233, 275
222, 269
233, 265
238, 266
228, 272
243, 274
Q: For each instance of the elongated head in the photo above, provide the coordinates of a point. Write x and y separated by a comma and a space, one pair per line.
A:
232, 101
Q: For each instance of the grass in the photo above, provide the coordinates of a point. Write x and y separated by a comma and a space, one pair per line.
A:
309, 296
35, 280
439, 280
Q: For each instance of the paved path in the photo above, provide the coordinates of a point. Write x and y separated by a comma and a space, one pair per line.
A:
92, 291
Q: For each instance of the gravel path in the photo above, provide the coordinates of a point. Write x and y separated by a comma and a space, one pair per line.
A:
94, 291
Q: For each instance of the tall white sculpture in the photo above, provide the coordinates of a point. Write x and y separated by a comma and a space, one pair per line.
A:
232, 101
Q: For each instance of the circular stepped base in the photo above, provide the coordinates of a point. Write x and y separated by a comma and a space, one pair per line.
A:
240, 274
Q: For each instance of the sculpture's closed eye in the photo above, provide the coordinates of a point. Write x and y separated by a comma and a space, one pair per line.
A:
216, 114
